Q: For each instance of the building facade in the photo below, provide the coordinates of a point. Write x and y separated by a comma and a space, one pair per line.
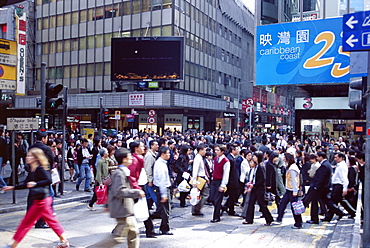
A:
74, 39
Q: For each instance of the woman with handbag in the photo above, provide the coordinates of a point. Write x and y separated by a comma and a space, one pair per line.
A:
38, 182
102, 175
181, 166
256, 188
291, 194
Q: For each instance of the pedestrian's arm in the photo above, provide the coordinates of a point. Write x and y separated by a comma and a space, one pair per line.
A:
225, 176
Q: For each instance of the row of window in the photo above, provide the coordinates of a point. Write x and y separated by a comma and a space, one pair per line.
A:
82, 70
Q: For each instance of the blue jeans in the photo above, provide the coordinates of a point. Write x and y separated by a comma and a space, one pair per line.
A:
2, 182
77, 172
84, 173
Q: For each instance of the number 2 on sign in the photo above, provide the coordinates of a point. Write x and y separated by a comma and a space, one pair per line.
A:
318, 61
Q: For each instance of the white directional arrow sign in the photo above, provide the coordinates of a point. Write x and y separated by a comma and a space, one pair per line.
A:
350, 41
350, 22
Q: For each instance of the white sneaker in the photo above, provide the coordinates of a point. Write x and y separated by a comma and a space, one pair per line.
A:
62, 245
91, 208
2, 191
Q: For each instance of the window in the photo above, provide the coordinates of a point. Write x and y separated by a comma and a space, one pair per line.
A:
107, 39
52, 47
99, 13
53, 21
90, 14
107, 68
156, 31
135, 6
167, 4
45, 22
39, 24
125, 34
223, 55
82, 43
59, 46
82, 71
51, 73
67, 19
74, 44
99, 40
74, 71
83, 16
45, 48
227, 57
90, 70
75, 17
90, 41
59, 20
59, 73
99, 69
136, 33
126, 8
67, 45
38, 74
146, 5
66, 72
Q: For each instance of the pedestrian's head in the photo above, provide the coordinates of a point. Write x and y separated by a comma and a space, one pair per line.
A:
84, 143
153, 144
257, 157
321, 156
339, 157
313, 158
220, 150
103, 152
201, 150
164, 152
137, 147
360, 157
35, 156
42, 136
123, 156
289, 159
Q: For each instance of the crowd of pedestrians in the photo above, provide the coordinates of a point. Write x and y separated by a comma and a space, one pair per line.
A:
229, 170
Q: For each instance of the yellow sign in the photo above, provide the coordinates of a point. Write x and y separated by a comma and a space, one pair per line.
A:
8, 72
8, 47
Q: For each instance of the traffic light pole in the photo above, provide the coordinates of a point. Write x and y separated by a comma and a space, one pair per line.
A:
65, 113
101, 116
43, 94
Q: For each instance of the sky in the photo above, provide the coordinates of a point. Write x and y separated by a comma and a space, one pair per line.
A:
249, 4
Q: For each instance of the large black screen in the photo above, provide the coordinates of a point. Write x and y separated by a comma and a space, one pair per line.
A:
147, 59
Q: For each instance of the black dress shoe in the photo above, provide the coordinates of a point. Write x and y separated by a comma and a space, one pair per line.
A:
234, 214
43, 226
216, 220
183, 205
324, 219
151, 236
77, 187
247, 223
166, 233
312, 222
87, 190
198, 214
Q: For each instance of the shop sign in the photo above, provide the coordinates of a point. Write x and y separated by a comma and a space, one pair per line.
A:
229, 115
130, 118
73, 119
136, 100
258, 107
264, 108
173, 118
21, 38
18, 124
153, 85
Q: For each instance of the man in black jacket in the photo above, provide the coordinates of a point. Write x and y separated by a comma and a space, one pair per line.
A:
233, 185
321, 184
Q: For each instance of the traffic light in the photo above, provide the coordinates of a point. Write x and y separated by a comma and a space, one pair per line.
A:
357, 89
52, 100
105, 118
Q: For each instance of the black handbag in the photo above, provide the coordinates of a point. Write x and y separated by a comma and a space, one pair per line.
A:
38, 193
269, 196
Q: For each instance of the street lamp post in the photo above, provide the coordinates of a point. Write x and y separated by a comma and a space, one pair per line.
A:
238, 114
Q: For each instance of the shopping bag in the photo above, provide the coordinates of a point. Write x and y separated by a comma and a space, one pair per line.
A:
101, 192
55, 176
184, 186
194, 196
298, 207
143, 179
141, 209
106, 180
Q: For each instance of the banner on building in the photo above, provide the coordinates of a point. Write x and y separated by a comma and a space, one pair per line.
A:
21, 38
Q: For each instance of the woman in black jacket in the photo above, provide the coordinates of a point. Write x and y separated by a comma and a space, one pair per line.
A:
38, 182
181, 166
256, 186
271, 167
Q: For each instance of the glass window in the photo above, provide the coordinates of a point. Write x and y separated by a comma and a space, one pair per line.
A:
167, 4
82, 43
45, 22
99, 40
109, 12
99, 13
59, 20
90, 41
167, 30
222, 54
74, 44
136, 33
90, 70
126, 8
125, 34
107, 68
117, 9
156, 31
135, 6
83, 16
99, 69
90, 15
52, 47
38, 74
39, 24
146, 5
74, 71
59, 72
82, 71
67, 45
67, 72
107, 39
59, 46
45, 48
156, 4
53, 21
228, 57
67, 19
51, 73
39, 2
75, 17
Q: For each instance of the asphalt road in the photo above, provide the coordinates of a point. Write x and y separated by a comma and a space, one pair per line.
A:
84, 227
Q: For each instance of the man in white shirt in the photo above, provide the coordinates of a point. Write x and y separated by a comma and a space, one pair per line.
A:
290, 148
281, 142
199, 170
161, 180
340, 183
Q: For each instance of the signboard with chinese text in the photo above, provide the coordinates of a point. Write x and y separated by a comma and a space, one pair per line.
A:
356, 31
301, 53
21, 37
136, 100
18, 124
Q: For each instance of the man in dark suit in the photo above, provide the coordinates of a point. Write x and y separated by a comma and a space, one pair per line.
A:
321, 184
233, 185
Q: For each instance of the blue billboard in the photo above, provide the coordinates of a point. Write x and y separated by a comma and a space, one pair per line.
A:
307, 52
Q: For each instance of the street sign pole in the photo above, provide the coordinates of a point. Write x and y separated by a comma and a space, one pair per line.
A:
14, 167
43, 94
65, 113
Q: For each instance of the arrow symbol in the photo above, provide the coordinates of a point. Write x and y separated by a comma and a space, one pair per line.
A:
350, 22
350, 41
